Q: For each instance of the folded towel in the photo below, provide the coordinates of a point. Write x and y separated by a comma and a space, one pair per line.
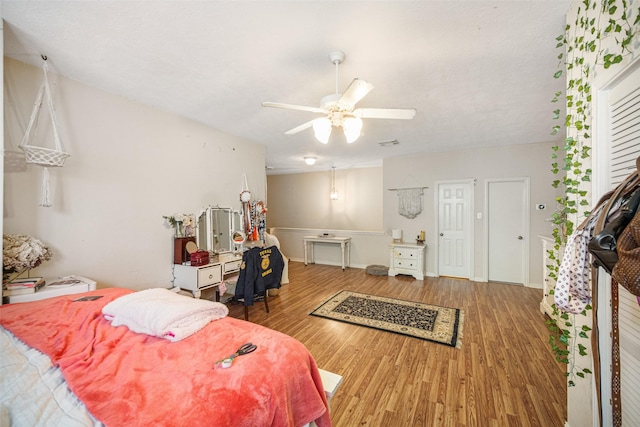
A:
162, 313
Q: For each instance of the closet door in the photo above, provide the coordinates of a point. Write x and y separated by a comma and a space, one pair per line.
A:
624, 149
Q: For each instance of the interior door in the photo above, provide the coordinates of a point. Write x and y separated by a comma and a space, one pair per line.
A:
454, 229
508, 239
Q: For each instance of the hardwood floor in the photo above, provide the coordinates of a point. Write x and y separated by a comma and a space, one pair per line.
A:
504, 374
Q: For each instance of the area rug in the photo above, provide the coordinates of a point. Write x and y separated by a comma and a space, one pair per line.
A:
442, 325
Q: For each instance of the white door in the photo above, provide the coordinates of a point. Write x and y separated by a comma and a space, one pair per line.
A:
507, 221
454, 229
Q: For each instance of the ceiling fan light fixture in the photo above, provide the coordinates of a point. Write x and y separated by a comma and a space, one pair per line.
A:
352, 127
322, 129
310, 160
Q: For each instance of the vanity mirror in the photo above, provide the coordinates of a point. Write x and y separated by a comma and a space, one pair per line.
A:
215, 229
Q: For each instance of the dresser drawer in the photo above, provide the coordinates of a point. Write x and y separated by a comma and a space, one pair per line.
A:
196, 278
408, 253
406, 264
209, 275
232, 266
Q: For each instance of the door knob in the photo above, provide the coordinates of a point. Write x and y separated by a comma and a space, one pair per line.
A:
441, 234
520, 237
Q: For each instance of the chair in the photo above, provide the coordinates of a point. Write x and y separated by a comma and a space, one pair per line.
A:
266, 306
261, 270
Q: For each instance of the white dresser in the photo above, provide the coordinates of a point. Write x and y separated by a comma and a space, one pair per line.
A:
406, 258
196, 279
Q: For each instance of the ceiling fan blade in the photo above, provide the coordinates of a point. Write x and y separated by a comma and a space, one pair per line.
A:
300, 128
293, 107
385, 113
357, 90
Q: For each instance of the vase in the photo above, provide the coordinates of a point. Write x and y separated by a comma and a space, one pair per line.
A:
179, 232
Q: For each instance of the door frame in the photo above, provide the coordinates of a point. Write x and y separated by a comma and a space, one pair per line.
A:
526, 219
471, 182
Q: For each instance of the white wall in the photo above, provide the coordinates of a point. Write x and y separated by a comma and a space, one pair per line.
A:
526, 160
370, 244
129, 165
302, 200
2, 110
300, 206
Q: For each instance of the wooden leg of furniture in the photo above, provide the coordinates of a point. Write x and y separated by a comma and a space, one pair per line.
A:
266, 305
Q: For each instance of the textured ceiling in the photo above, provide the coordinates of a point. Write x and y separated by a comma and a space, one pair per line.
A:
479, 73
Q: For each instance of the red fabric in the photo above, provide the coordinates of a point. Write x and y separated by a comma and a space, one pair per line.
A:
129, 379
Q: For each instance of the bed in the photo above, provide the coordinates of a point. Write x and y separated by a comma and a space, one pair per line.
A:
63, 363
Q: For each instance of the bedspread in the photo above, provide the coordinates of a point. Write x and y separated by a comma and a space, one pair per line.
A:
125, 378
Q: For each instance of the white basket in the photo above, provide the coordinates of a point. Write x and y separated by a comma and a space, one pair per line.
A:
44, 156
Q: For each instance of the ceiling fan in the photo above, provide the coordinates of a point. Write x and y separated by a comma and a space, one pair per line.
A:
339, 109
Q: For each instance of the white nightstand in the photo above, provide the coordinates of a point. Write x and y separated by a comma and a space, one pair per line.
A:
55, 289
406, 258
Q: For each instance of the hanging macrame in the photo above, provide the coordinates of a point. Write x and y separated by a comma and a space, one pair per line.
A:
245, 198
42, 156
409, 201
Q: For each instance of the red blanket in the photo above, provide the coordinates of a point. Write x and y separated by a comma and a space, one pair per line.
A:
130, 379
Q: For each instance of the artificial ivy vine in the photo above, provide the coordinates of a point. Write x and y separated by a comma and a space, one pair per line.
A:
582, 51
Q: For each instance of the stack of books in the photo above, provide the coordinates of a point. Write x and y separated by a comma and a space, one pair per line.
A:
22, 286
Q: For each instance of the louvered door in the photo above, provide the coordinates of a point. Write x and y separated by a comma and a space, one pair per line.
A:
624, 119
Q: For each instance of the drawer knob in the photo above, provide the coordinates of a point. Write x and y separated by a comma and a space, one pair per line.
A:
211, 276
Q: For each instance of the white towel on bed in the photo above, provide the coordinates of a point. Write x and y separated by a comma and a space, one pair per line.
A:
162, 313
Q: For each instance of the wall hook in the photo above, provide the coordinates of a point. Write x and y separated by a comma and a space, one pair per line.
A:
44, 57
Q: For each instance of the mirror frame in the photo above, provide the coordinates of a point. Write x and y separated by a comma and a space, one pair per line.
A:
215, 223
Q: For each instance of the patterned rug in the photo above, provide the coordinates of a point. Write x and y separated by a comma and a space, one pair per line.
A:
425, 321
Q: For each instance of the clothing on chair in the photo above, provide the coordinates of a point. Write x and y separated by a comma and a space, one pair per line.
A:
261, 269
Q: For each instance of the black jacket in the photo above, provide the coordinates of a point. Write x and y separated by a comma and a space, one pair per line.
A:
261, 269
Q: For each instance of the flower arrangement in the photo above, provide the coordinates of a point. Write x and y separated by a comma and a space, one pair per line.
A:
21, 253
179, 220
174, 219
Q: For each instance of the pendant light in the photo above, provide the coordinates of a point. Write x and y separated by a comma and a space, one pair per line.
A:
334, 194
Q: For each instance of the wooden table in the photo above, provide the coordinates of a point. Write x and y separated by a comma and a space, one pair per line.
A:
344, 242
